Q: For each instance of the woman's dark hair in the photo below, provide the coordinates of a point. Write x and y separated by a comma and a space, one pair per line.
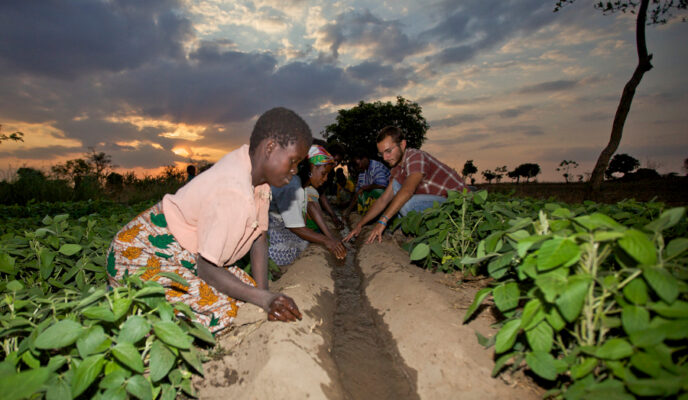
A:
304, 171
281, 124
392, 131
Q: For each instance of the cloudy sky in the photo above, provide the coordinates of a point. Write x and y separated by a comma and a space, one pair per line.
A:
501, 82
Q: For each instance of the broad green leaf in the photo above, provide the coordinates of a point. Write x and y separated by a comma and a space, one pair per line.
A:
668, 219
672, 329
174, 277
161, 361
636, 291
555, 319
638, 246
92, 341
23, 384
556, 252
127, 354
541, 337
172, 334
114, 379
646, 363
552, 283
192, 358
501, 361
586, 366
115, 393
86, 373
59, 335
532, 313
678, 309
665, 386
14, 286
673, 249
46, 258
614, 349
506, 337
647, 337
598, 220
102, 313
542, 364
201, 332
480, 197
120, 307
571, 301
420, 252
168, 392
506, 296
139, 387
498, 267
58, 391
477, 301
96, 295
663, 283
7, 263
634, 318
188, 388
133, 329
70, 249
150, 290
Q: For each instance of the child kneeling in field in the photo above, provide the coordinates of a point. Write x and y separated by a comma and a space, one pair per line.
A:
214, 220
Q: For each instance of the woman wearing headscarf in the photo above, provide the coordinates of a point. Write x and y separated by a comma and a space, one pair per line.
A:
296, 218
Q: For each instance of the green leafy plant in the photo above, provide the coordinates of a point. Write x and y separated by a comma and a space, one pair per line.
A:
593, 297
65, 334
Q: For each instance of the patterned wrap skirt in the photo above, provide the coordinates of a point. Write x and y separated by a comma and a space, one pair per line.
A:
284, 246
147, 244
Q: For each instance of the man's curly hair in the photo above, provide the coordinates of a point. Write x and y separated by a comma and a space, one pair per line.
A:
281, 124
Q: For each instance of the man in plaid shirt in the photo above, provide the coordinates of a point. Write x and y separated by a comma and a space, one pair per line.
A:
417, 180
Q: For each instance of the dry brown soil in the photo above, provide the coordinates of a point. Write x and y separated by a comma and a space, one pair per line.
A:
385, 329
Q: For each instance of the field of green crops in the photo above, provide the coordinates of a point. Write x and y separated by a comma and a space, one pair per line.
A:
592, 298
64, 333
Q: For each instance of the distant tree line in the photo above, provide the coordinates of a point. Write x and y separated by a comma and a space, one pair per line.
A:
89, 178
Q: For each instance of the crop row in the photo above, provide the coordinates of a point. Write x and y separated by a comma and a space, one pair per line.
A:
592, 297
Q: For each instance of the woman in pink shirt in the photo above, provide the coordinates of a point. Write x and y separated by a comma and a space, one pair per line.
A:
214, 220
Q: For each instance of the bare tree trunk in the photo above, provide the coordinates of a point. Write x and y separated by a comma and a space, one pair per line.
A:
624, 107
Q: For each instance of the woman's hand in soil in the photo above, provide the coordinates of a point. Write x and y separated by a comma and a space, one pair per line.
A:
354, 232
282, 308
336, 248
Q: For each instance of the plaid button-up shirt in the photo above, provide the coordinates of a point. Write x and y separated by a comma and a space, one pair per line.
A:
438, 178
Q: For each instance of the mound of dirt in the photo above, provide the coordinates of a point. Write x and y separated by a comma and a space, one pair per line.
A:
385, 329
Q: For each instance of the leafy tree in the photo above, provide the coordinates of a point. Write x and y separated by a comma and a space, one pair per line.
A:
489, 175
527, 170
358, 126
16, 136
100, 162
566, 166
659, 13
500, 172
72, 170
514, 176
621, 163
469, 169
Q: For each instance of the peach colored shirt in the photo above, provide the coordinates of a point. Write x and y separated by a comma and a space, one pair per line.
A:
219, 214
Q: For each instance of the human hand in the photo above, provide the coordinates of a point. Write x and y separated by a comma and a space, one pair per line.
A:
282, 308
354, 232
337, 248
376, 234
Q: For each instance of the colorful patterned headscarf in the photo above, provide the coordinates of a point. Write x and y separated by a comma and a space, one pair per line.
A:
317, 155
